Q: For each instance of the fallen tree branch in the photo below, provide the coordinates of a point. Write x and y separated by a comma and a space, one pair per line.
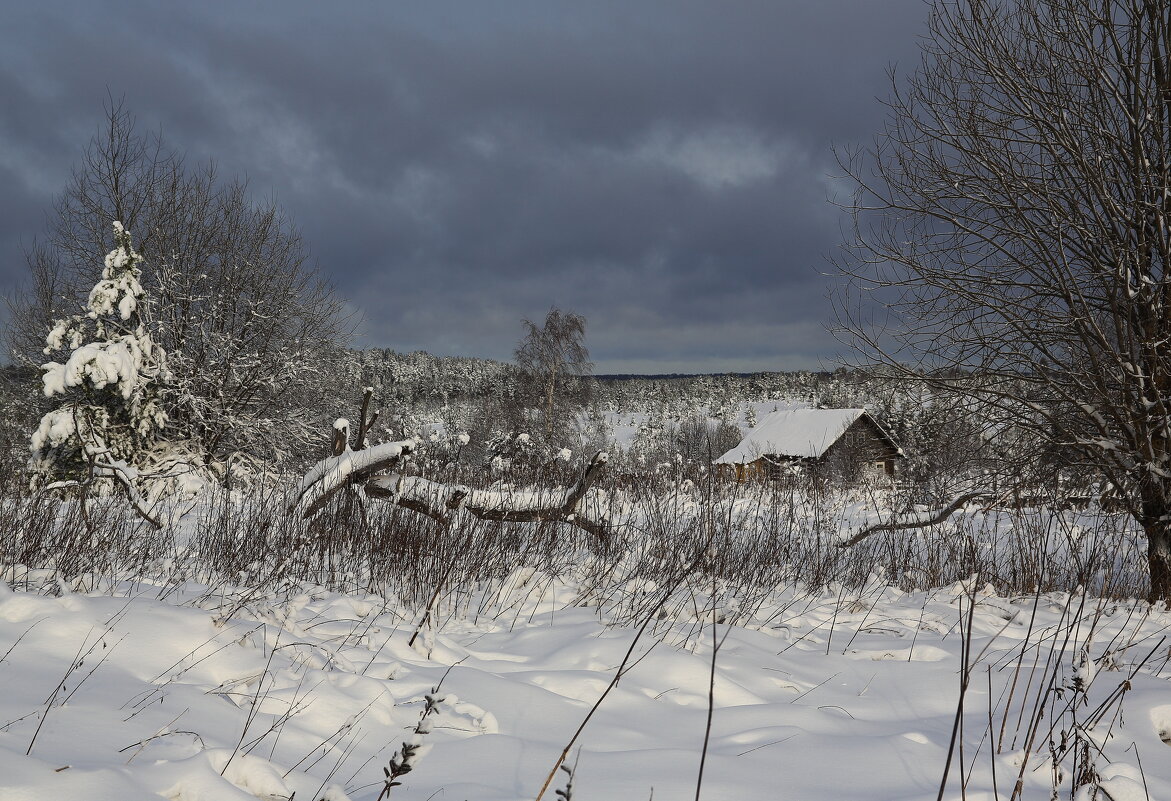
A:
918, 522
441, 501
330, 475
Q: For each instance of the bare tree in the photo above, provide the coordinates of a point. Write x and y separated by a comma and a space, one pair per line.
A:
554, 356
248, 324
700, 441
1012, 229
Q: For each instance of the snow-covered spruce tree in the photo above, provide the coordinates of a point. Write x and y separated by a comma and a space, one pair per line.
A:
108, 378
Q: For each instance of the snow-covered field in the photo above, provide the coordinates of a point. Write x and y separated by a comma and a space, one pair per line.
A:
140, 691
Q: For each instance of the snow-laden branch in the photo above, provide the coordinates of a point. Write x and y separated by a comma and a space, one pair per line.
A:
330, 475
121, 473
442, 501
126, 476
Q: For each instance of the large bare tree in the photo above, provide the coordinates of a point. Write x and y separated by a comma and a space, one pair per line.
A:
1012, 240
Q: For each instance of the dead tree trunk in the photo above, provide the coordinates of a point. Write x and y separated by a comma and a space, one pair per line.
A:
372, 469
441, 501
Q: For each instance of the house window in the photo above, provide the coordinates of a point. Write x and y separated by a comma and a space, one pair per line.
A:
856, 438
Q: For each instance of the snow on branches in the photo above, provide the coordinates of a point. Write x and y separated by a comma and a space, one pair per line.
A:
108, 375
368, 468
331, 475
441, 501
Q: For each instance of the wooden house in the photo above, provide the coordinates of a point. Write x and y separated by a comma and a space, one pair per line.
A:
846, 442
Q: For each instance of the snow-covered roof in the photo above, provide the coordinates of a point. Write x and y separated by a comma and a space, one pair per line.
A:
804, 433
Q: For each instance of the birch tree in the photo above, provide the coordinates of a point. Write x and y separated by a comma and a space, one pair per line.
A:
553, 355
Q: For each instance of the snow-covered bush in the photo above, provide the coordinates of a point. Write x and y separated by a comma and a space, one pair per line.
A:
439, 453
515, 451
108, 376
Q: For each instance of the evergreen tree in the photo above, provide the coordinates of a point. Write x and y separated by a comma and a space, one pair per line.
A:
108, 376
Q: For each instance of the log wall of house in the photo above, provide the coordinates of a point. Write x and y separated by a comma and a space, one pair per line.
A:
863, 446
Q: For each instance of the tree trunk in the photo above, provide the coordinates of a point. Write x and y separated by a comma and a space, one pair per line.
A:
1159, 558
1156, 522
549, 406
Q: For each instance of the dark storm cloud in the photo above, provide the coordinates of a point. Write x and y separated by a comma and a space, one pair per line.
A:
662, 168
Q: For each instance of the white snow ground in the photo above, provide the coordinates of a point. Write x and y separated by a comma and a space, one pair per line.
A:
134, 693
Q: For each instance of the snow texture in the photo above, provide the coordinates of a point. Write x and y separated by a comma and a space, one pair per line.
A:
435, 495
121, 695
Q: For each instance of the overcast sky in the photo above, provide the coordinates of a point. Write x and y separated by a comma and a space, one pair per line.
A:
663, 168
